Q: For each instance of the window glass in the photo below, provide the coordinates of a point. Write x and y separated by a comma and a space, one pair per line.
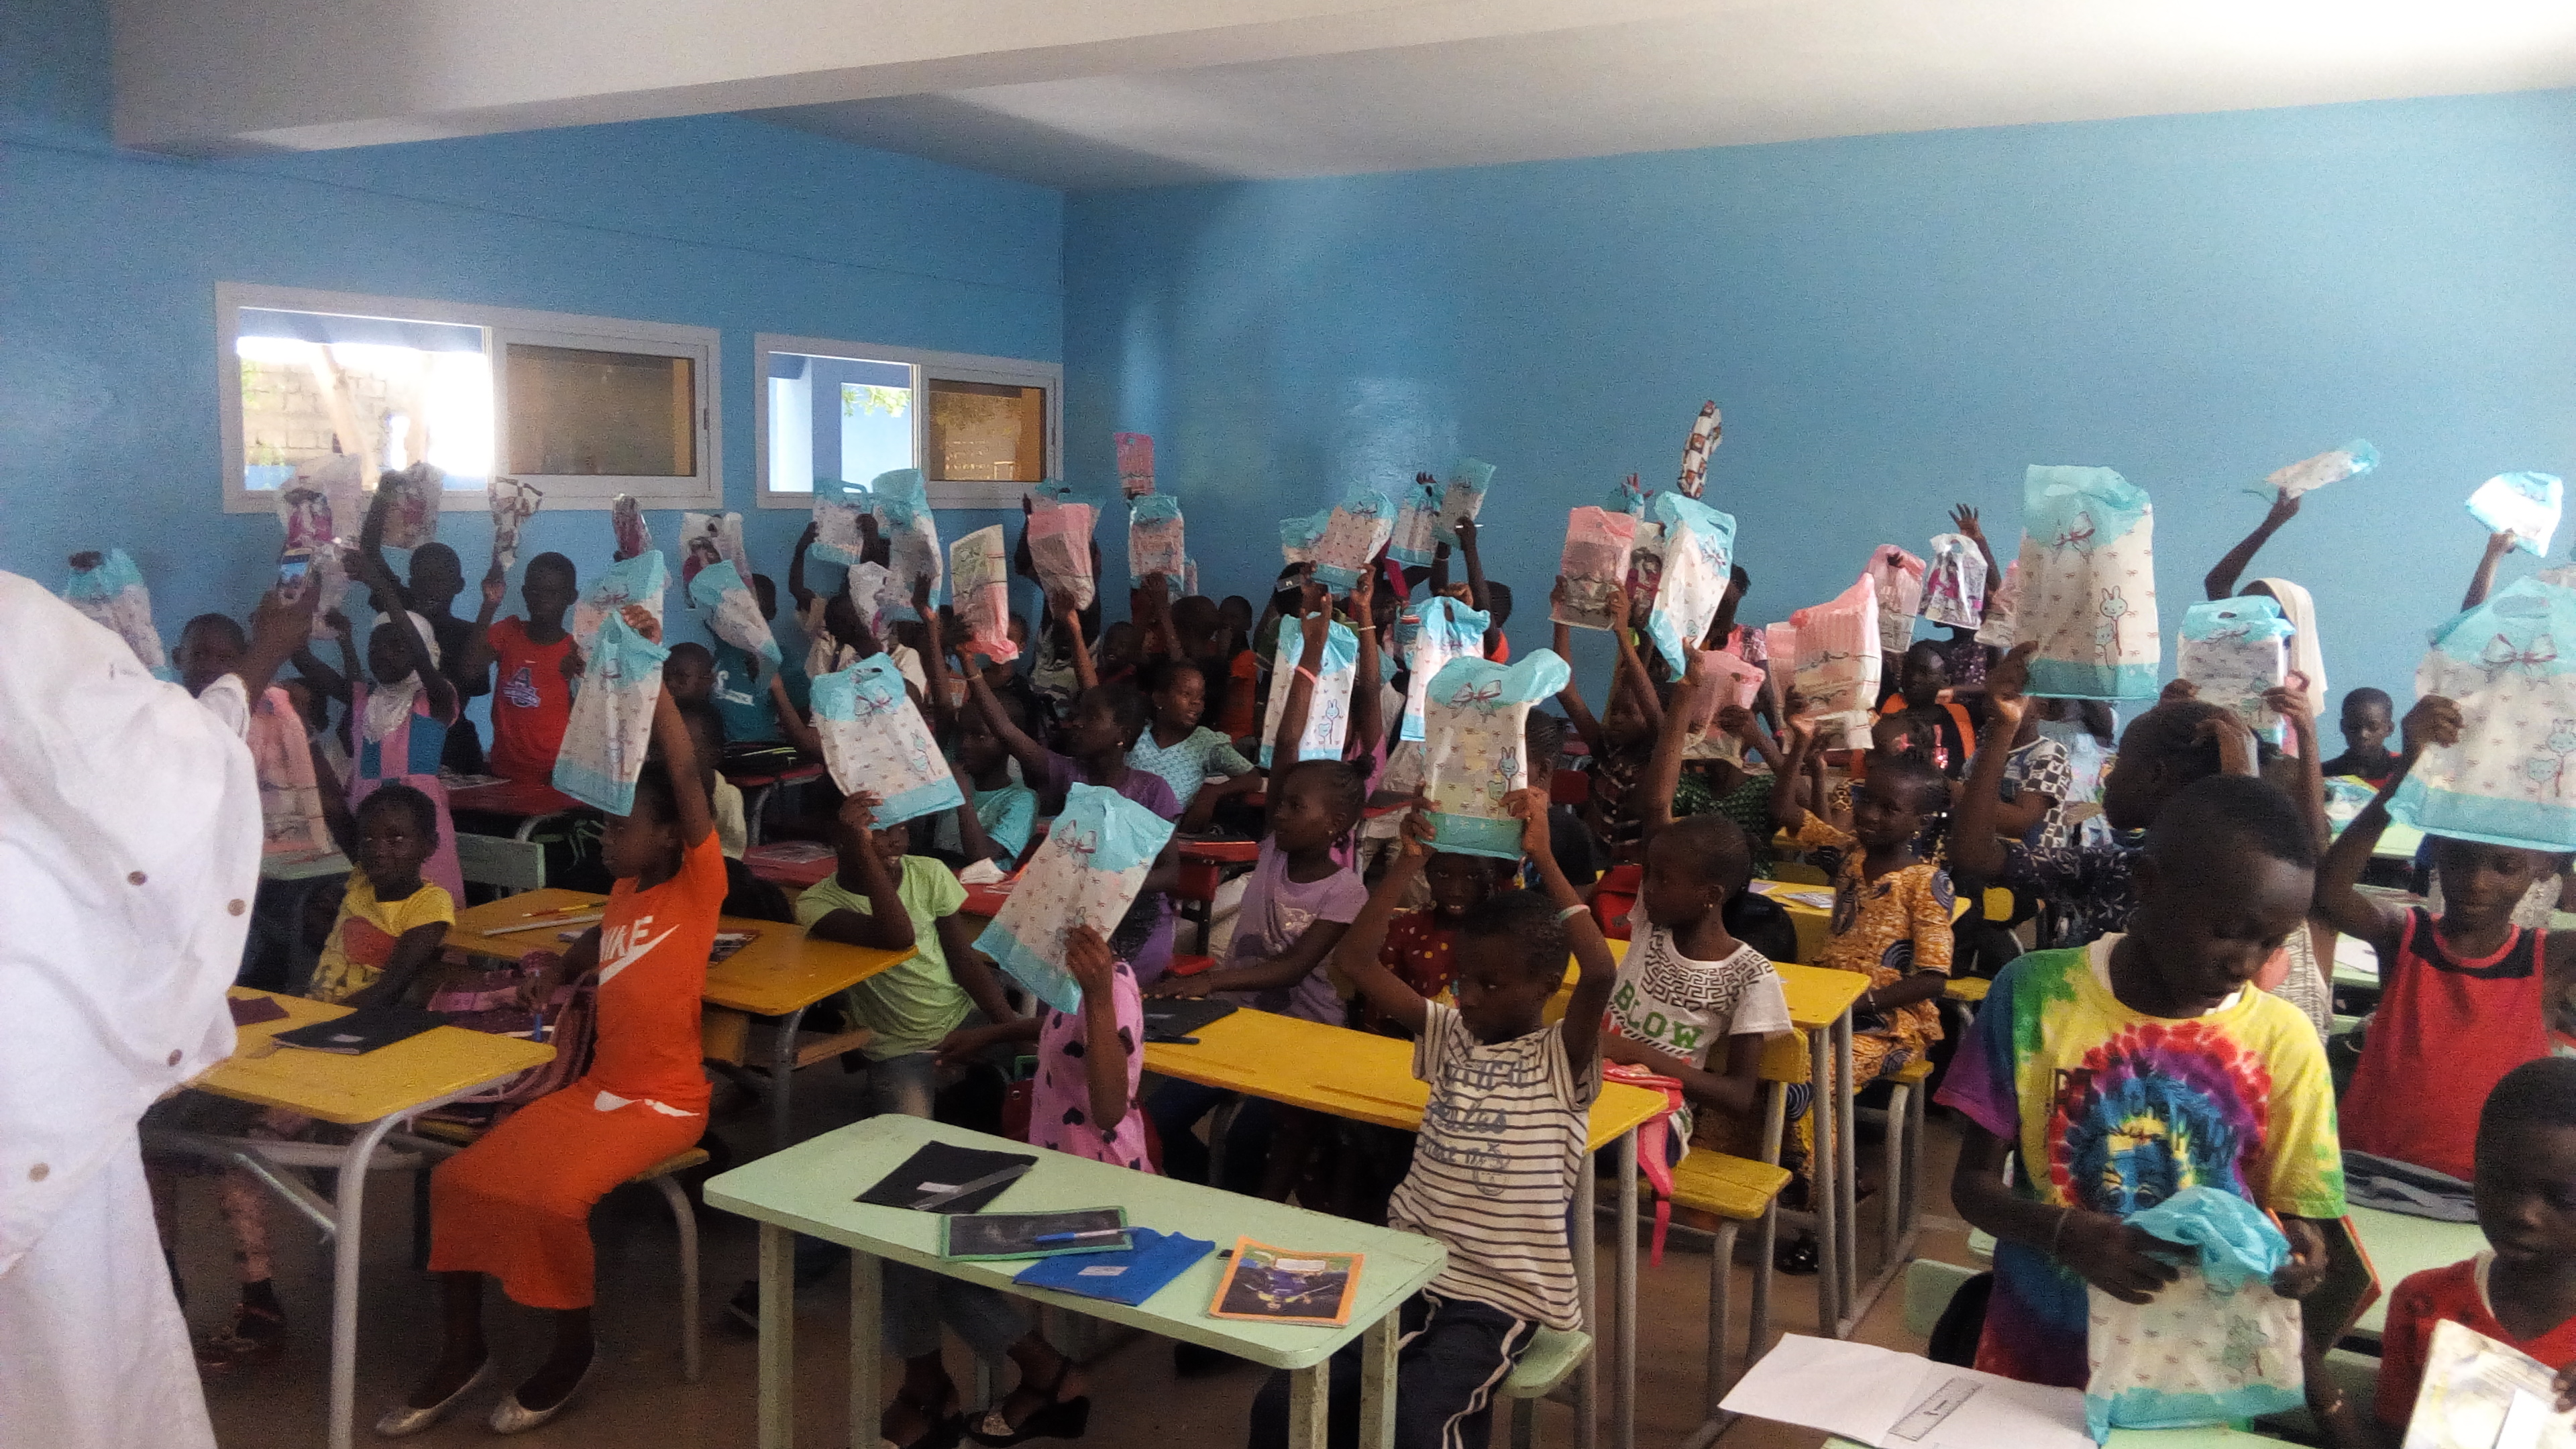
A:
985, 431
393, 390
586, 412
836, 418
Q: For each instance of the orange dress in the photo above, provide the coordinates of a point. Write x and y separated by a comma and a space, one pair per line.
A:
517, 1203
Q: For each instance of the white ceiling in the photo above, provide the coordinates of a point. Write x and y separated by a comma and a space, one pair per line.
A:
1714, 74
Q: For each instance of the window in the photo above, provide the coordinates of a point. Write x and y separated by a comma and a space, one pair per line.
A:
584, 408
981, 429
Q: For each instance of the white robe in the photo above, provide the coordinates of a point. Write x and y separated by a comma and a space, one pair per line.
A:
129, 851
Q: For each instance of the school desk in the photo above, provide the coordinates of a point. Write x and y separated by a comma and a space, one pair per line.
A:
2211, 1438
1814, 921
529, 801
370, 1093
303, 867
777, 977
1369, 1078
1820, 1008
809, 1189
2399, 1245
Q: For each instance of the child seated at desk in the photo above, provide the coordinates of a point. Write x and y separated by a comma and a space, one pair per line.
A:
1502, 1137
537, 662
2463, 995
2119, 1073
2522, 1290
1421, 946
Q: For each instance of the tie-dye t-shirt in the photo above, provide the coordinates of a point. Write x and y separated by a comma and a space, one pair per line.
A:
2112, 1110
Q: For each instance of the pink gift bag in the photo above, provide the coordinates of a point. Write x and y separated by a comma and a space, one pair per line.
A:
1060, 550
1736, 683
1838, 660
979, 581
1135, 464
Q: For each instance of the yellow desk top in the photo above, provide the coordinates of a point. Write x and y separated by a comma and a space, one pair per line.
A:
353, 1090
782, 970
1353, 1074
1968, 988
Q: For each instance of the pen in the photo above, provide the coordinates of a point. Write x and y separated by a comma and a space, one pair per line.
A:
1043, 1239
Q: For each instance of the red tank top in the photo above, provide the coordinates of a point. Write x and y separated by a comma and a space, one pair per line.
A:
2447, 1031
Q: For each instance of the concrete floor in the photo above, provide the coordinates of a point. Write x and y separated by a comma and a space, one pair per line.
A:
637, 1398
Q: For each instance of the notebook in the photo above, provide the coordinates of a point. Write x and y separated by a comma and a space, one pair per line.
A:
1165, 1020
362, 1031
1128, 1277
1015, 1235
939, 1166
1283, 1285
252, 1010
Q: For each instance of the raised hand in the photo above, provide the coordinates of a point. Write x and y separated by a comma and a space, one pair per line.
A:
1088, 958
641, 620
859, 811
496, 586
2284, 508
2006, 682
1529, 807
2434, 720
1963, 521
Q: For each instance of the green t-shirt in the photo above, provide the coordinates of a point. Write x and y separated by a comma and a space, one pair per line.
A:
914, 1003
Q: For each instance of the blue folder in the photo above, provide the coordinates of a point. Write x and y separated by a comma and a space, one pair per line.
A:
1129, 1276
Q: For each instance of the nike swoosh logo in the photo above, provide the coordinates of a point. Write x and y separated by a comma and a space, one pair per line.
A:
634, 951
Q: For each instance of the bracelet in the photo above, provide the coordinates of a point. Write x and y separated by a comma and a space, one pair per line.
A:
1308, 675
2058, 1231
1570, 912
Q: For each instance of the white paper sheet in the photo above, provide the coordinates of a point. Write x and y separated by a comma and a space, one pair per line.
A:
1894, 1400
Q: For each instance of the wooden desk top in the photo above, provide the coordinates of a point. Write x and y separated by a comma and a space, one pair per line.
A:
354, 1090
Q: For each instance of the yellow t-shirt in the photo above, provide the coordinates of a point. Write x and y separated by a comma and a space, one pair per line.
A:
362, 939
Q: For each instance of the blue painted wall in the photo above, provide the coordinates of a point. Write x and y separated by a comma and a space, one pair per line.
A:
107, 320
1891, 324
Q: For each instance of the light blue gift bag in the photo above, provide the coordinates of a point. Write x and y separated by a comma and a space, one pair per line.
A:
642, 579
1328, 712
2088, 585
1698, 549
1156, 541
1088, 872
732, 612
1417, 525
874, 739
1354, 531
610, 728
1444, 629
2510, 665
2249, 1342
1463, 496
2233, 650
2523, 504
113, 595
838, 506
1474, 756
1299, 537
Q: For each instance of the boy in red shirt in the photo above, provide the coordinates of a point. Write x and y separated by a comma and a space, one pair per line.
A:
532, 696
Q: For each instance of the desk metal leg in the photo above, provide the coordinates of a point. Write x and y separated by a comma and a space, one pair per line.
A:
1377, 1384
348, 1213
1821, 1193
1846, 1171
1623, 1353
1587, 1379
1309, 1397
782, 1077
778, 1335
867, 1354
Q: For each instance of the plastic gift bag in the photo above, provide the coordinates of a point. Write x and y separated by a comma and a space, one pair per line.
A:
1299, 537
1705, 432
1954, 584
611, 724
2249, 1339
838, 506
2003, 609
1135, 464
1416, 539
2233, 650
2511, 780
903, 515
325, 498
1356, 529
1645, 567
1594, 562
1447, 629
513, 504
1328, 714
874, 739
411, 520
1732, 683
1626, 497
113, 595
637, 580
1473, 748
1462, 497
2088, 585
626, 520
2332, 466
711, 538
1838, 662
1699, 549
1088, 872
979, 572
1156, 543
2523, 504
1059, 538
733, 611
1780, 661
1898, 578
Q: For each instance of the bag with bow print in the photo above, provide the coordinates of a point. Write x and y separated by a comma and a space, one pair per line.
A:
1698, 561
874, 739
1328, 712
2088, 585
2510, 665
838, 507
638, 580
1088, 872
1445, 629
1357, 528
611, 724
113, 595
2233, 650
733, 611
1473, 748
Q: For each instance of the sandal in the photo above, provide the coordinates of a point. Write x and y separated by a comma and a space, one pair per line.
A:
943, 1433
1799, 1259
1052, 1420
257, 1334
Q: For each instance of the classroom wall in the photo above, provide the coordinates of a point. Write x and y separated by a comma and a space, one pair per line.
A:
1891, 324
107, 318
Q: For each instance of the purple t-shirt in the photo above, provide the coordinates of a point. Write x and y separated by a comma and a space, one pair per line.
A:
1142, 786
1276, 912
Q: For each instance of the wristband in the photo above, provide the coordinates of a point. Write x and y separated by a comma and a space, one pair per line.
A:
1570, 912
1309, 676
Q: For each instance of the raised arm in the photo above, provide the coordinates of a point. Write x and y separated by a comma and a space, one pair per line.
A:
885, 925
1721, 625
1069, 621
1577, 713
2433, 721
792, 723
332, 682
796, 588
1787, 777
391, 602
973, 840
1478, 595
1975, 847
278, 629
2221, 582
2498, 545
1368, 713
934, 662
1031, 755
1664, 769
1358, 952
1964, 521
1595, 972
1162, 636
478, 645
697, 816
2292, 704
1631, 672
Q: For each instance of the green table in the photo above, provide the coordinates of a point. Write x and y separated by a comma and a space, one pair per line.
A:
809, 1189
2399, 1245
2155, 1439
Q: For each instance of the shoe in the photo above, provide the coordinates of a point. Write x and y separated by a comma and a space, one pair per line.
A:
943, 1433
511, 1417
257, 1334
1799, 1259
402, 1420
1052, 1420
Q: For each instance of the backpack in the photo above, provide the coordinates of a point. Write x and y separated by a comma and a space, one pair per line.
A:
1663, 1140
570, 1023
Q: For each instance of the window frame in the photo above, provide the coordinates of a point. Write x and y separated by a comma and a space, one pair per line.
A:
926, 365
501, 326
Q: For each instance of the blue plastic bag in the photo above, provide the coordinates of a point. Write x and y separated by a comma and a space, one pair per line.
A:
610, 728
2247, 1340
2088, 585
2523, 504
1473, 748
2234, 650
1462, 497
113, 595
2332, 466
639, 580
902, 504
1354, 531
838, 506
2507, 781
1089, 871
1699, 560
1299, 536
1444, 629
733, 614
1156, 542
1328, 712
1416, 538
874, 739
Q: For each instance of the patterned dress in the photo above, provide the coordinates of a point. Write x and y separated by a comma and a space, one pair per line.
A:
1060, 1103
1886, 929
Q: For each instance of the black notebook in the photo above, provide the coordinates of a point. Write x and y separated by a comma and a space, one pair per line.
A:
938, 1167
1165, 1020
362, 1031
1016, 1235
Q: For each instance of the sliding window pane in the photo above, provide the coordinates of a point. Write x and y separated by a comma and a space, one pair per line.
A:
983, 431
580, 412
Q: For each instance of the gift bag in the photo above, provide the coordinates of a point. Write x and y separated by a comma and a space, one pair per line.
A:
979, 573
411, 520
1462, 497
2233, 650
112, 595
1328, 714
873, 590
2523, 504
1645, 567
611, 724
1135, 464
2309, 474
1356, 529
1059, 537
1627, 497
1897, 576
2002, 609
1594, 562
733, 611
1155, 542
2216, 1344
874, 739
1704, 435
1300, 537
1699, 548
1954, 584
2088, 585
513, 504
1780, 662
1416, 539
1473, 748
838, 506
1446, 629
626, 520
711, 538
1088, 872
903, 516
1731, 682
324, 498
1838, 660
637, 580
2511, 780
